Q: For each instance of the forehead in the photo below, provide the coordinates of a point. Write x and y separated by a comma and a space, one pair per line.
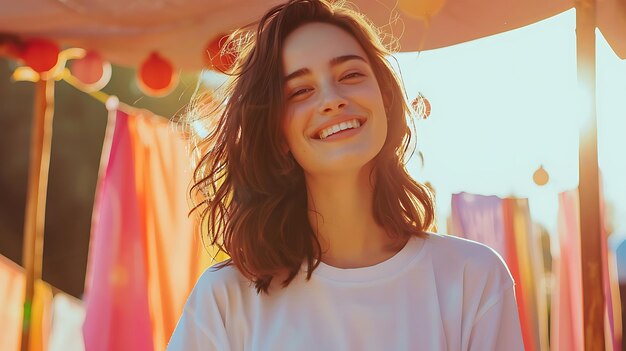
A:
316, 44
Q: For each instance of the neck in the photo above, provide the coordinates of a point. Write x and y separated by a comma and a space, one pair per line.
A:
341, 214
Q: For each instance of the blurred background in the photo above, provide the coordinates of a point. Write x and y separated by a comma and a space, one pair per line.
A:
78, 135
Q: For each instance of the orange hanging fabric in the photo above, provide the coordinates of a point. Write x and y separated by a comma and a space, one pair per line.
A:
174, 250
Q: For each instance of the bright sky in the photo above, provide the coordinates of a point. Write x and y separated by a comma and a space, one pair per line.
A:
504, 105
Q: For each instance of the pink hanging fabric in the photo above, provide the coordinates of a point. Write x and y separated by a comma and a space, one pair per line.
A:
116, 293
567, 320
567, 305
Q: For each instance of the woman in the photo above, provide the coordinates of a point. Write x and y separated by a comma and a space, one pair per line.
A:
305, 188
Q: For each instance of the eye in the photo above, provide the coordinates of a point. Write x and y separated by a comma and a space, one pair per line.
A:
299, 92
352, 75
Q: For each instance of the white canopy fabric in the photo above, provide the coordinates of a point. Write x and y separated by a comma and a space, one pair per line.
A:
126, 31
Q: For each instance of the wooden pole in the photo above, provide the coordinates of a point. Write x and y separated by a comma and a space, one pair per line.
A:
589, 188
40, 143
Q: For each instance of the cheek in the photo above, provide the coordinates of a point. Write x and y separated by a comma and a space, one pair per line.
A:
292, 128
371, 95
296, 120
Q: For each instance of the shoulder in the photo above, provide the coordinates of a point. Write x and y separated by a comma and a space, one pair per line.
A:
476, 261
218, 286
202, 325
458, 249
216, 279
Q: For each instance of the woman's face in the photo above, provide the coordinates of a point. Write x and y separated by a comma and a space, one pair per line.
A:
335, 118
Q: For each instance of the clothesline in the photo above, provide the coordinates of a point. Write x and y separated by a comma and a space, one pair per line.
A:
105, 98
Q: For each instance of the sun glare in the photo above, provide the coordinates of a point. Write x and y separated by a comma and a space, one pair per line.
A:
504, 105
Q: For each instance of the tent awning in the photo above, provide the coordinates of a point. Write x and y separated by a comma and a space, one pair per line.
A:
125, 32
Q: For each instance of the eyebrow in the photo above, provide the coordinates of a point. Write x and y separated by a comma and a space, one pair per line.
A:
333, 62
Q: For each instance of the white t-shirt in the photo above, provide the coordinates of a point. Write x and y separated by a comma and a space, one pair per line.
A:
437, 293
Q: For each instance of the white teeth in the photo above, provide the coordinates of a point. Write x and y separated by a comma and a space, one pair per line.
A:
326, 132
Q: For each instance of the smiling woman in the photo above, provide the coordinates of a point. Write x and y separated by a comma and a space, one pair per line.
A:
335, 119
303, 184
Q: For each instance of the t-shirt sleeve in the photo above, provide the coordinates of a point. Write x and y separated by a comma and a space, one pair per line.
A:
498, 327
191, 334
201, 326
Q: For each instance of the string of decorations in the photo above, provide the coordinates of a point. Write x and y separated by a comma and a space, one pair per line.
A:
43, 59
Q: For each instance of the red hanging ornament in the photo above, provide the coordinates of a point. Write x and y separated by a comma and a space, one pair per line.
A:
88, 70
156, 75
217, 56
40, 54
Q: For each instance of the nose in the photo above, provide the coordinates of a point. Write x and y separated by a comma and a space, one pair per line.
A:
332, 101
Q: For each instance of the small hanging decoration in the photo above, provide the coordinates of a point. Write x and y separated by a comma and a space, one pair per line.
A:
421, 106
421, 9
217, 56
91, 71
40, 54
541, 177
156, 76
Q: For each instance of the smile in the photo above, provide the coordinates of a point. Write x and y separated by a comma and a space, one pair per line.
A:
336, 128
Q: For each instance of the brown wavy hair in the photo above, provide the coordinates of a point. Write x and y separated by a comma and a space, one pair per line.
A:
250, 194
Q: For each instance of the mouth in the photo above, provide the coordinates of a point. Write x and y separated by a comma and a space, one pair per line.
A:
338, 127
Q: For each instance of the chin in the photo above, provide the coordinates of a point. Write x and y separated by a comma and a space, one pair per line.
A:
345, 164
